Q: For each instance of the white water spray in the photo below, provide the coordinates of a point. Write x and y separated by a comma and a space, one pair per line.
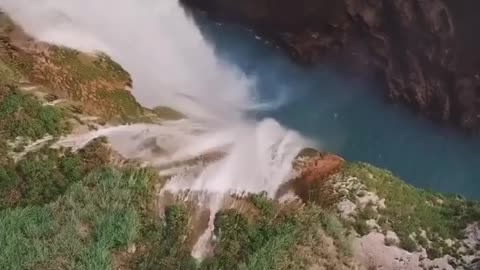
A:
171, 64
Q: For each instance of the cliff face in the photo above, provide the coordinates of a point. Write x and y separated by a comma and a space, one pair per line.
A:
424, 50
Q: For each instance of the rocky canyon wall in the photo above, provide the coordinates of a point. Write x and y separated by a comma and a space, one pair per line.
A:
425, 51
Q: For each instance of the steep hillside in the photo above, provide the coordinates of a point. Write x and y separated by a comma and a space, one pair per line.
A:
92, 208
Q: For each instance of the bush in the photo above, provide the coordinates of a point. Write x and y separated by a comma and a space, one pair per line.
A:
361, 227
368, 213
24, 115
41, 176
263, 203
35, 237
408, 244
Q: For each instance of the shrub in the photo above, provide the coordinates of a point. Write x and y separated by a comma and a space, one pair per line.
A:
361, 227
408, 244
35, 237
263, 203
24, 115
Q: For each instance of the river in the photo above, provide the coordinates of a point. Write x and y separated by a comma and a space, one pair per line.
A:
351, 117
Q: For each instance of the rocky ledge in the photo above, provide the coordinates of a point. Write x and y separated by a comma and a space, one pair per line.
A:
423, 51
396, 226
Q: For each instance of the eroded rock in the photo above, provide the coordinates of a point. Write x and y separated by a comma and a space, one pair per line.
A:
313, 169
425, 52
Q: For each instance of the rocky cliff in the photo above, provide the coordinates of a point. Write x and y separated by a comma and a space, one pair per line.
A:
62, 207
423, 50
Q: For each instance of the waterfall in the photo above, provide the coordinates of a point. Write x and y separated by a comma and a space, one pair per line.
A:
171, 64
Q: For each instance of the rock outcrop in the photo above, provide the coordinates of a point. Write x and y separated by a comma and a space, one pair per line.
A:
423, 50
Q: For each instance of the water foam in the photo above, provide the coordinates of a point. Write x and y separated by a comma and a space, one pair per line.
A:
171, 64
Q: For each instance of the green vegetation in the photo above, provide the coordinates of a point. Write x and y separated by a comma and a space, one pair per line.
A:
259, 239
322, 241
89, 68
66, 210
361, 227
96, 81
123, 104
43, 175
7, 75
82, 229
167, 113
167, 241
410, 210
26, 116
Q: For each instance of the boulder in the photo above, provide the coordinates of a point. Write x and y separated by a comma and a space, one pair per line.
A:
313, 169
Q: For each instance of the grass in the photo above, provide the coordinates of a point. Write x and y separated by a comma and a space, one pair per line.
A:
26, 116
409, 210
322, 241
167, 242
167, 113
43, 175
96, 81
278, 233
82, 229
89, 68
122, 104
63, 210
250, 241
8, 76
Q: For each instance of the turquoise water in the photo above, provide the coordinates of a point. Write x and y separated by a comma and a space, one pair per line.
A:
350, 117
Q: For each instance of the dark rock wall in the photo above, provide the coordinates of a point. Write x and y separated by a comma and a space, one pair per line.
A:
426, 51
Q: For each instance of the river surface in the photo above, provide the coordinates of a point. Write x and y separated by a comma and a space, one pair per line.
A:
351, 117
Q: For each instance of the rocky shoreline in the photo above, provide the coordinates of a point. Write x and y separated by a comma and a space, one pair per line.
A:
424, 52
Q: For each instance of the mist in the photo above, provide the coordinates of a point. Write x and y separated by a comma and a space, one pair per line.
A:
172, 64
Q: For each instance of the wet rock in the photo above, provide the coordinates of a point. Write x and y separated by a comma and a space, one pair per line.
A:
425, 52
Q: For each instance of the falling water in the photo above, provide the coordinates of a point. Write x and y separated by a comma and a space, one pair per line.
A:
171, 64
